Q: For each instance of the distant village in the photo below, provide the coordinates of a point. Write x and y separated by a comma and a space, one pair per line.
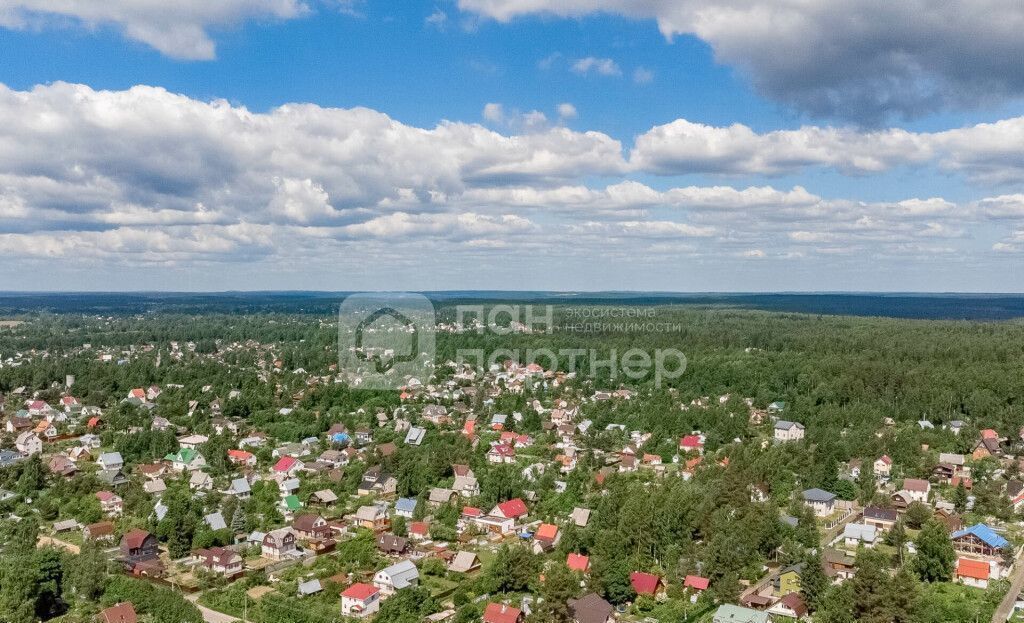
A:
321, 492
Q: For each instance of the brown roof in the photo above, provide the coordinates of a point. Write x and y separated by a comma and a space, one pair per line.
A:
590, 608
306, 523
119, 613
794, 602
136, 538
391, 543
101, 528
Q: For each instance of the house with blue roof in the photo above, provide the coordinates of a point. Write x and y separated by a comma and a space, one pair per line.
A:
405, 507
979, 540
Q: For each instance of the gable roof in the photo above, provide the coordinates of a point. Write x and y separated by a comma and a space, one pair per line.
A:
512, 508
123, 612
644, 583
360, 591
577, 562
402, 573
976, 569
501, 613
697, 582
986, 534
590, 608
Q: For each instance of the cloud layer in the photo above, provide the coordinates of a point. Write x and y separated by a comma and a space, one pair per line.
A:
863, 60
142, 177
177, 28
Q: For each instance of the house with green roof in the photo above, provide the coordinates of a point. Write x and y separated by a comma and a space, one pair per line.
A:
186, 459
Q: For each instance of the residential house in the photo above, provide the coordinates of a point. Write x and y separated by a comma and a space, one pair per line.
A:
591, 608
394, 578
110, 503
979, 540
464, 562
200, 481
99, 531
917, 489
785, 430
372, 517
501, 453
310, 526
278, 544
692, 443
695, 585
192, 442
856, 534
123, 612
186, 459
240, 488
821, 501
405, 507
415, 435
360, 600
467, 486
729, 613
988, 445
839, 566
883, 467
791, 606
546, 538
439, 496
220, 560
881, 519
309, 587
392, 545
502, 613
286, 467
324, 497
974, 573
242, 457
138, 546
787, 580
646, 583
110, 461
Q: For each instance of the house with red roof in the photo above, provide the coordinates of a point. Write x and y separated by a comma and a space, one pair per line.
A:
546, 538
419, 530
287, 466
510, 509
883, 466
578, 562
123, 612
501, 519
692, 443
645, 583
501, 453
974, 573
502, 613
110, 503
242, 457
695, 585
360, 600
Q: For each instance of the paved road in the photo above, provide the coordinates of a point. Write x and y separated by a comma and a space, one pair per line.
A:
1005, 608
210, 616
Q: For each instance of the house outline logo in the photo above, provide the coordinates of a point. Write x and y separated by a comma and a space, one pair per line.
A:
378, 362
386, 339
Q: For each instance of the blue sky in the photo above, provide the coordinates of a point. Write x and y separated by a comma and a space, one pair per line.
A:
541, 147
